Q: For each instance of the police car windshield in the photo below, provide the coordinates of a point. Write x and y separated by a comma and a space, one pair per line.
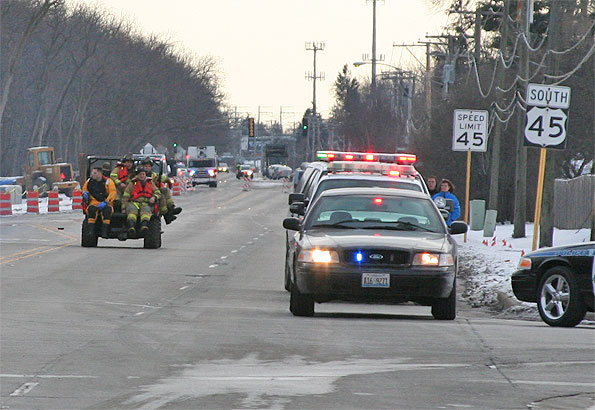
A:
367, 211
363, 183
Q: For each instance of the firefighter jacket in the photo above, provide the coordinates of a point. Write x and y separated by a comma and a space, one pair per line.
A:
164, 181
140, 191
104, 190
121, 174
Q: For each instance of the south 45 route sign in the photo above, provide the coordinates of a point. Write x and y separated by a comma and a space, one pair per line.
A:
546, 128
470, 130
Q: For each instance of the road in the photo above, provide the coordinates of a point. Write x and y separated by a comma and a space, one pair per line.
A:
203, 323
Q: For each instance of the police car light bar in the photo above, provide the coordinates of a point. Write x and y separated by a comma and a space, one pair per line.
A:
393, 170
400, 158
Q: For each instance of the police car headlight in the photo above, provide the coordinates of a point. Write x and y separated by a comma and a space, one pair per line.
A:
318, 256
433, 259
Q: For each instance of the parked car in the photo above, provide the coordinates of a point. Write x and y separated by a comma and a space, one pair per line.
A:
560, 280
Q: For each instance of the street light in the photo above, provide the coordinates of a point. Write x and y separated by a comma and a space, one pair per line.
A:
360, 63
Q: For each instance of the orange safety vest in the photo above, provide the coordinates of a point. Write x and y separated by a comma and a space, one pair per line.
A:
123, 173
139, 191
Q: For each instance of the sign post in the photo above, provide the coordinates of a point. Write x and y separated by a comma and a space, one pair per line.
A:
545, 127
469, 133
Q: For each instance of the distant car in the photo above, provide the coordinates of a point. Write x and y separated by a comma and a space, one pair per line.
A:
246, 170
560, 280
280, 171
223, 167
373, 245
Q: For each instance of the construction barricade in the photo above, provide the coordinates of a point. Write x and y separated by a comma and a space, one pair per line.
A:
247, 184
177, 189
5, 204
53, 201
32, 202
286, 185
77, 199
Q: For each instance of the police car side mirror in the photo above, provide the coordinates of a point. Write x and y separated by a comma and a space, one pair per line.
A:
457, 227
296, 197
293, 224
297, 208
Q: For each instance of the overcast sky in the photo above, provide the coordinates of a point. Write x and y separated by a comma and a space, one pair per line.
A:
260, 44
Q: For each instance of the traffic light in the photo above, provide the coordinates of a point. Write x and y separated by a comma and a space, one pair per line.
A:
304, 127
250, 127
175, 145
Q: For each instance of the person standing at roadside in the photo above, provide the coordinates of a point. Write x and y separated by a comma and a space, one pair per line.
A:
433, 185
447, 192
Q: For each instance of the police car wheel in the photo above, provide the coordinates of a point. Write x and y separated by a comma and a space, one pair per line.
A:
446, 308
300, 304
558, 299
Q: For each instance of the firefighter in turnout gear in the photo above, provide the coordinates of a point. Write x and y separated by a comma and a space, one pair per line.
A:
123, 173
99, 193
140, 197
167, 208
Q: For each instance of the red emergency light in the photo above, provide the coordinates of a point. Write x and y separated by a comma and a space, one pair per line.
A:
330, 156
394, 173
348, 157
378, 201
407, 159
370, 157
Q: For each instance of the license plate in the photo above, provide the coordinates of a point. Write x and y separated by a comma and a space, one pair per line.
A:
375, 280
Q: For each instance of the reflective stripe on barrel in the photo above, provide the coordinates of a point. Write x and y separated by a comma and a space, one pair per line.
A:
77, 199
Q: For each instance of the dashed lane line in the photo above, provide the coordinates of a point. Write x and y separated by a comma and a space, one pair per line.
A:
24, 389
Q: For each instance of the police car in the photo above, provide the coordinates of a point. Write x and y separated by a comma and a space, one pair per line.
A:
373, 245
348, 169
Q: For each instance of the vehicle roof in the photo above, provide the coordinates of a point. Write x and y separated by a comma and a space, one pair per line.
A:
374, 191
318, 164
365, 176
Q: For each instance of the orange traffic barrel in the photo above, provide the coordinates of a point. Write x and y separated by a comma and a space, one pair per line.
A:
5, 204
53, 202
177, 190
77, 199
32, 202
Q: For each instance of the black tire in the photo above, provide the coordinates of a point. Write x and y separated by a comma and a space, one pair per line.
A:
287, 281
558, 298
299, 304
446, 308
152, 238
88, 235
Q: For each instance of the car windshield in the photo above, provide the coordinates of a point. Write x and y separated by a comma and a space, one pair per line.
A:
355, 183
201, 163
375, 212
246, 167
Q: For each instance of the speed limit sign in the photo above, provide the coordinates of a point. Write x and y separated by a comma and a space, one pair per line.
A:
470, 130
546, 128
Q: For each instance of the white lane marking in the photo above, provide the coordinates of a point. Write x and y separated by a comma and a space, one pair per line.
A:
213, 265
261, 234
363, 394
46, 376
184, 287
242, 247
132, 304
133, 377
535, 382
24, 389
255, 239
234, 251
223, 257
139, 313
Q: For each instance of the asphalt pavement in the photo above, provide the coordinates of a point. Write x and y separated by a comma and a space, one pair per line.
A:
203, 323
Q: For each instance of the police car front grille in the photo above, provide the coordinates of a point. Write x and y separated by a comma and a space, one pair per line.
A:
376, 257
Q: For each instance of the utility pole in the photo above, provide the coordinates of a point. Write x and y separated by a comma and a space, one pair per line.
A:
373, 44
314, 46
497, 135
520, 175
546, 226
428, 75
